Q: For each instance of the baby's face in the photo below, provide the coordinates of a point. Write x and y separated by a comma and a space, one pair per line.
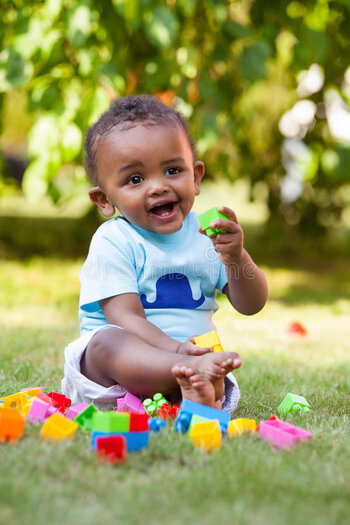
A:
149, 174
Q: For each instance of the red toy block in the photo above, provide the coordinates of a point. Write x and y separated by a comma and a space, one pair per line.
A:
45, 398
60, 401
174, 411
164, 412
297, 328
12, 424
111, 448
138, 422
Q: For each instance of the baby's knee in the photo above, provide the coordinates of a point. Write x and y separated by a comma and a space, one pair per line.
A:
104, 344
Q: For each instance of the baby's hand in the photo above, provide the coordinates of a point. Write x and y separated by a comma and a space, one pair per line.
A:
229, 245
190, 348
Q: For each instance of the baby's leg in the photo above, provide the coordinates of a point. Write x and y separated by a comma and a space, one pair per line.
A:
117, 356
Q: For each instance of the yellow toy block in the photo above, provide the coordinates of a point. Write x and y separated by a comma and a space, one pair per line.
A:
209, 339
58, 427
207, 435
27, 406
33, 391
17, 400
237, 427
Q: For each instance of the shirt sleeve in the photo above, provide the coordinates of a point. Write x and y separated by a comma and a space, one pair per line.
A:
109, 269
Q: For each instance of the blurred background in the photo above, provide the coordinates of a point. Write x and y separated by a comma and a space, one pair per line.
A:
265, 85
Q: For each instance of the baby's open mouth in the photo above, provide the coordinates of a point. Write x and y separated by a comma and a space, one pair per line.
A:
162, 210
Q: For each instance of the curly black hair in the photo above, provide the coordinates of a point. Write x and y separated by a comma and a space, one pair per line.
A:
133, 108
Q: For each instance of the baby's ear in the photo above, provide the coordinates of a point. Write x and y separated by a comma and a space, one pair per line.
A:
98, 197
199, 170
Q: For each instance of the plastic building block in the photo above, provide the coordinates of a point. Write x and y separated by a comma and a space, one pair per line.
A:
190, 408
37, 412
206, 218
209, 339
113, 422
33, 391
156, 424
197, 419
45, 398
111, 448
293, 403
281, 434
237, 427
138, 422
296, 328
60, 401
17, 400
58, 427
75, 410
84, 419
134, 440
150, 407
130, 403
12, 424
206, 435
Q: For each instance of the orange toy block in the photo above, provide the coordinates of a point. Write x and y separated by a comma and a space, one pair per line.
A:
237, 427
209, 339
58, 427
12, 424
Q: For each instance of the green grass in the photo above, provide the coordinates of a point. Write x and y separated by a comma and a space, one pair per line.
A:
246, 482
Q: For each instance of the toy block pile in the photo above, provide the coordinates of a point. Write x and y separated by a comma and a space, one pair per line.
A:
32, 405
158, 406
118, 432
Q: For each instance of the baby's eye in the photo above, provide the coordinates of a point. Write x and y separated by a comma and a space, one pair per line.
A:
172, 171
135, 179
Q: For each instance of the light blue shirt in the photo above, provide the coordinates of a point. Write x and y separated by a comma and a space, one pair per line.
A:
175, 275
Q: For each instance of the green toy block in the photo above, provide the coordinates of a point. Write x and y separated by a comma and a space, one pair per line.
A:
206, 218
150, 406
158, 397
84, 419
196, 419
293, 403
111, 422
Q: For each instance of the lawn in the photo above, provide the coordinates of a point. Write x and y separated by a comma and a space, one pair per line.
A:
246, 482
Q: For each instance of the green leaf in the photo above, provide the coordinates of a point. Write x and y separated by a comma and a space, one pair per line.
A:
15, 70
251, 63
79, 25
44, 137
35, 182
161, 27
311, 48
234, 30
71, 142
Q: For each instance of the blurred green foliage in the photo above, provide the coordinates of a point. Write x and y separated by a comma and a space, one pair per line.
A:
234, 68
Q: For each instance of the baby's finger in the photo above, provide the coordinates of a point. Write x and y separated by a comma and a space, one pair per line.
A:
199, 350
229, 226
201, 231
230, 213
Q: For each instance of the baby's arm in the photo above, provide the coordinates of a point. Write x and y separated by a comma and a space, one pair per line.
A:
246, 288
126, 311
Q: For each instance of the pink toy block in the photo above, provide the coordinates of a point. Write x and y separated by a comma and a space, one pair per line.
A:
282, 434
33, 388
130, 403
75, 410
37, 412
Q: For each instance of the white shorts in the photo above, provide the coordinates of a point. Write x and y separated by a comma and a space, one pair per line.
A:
80, 389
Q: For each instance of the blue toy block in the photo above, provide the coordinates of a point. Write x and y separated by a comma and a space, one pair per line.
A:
190, 408
156, 424
134, 440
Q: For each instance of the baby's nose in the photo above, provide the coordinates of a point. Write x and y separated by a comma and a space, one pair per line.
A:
158, 186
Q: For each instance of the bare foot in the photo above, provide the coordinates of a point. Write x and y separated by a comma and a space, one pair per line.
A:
202, 382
